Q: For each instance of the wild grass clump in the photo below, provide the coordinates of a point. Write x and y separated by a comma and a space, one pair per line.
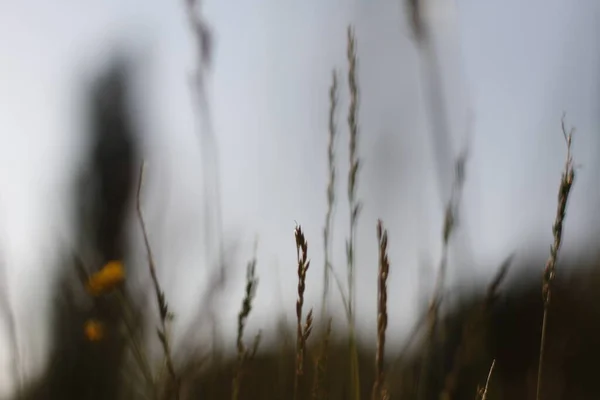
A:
485, 346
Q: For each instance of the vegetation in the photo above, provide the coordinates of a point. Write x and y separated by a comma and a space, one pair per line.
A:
493, 344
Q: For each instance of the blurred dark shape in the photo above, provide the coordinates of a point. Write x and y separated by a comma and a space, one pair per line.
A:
80, 368
114, 162
507, 329
414, 9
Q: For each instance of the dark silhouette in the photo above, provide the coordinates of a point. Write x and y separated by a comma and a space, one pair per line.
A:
80, 368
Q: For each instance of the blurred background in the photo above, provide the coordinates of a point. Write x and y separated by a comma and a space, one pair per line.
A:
509, 70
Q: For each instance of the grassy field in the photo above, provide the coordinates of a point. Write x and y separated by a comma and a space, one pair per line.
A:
525, 336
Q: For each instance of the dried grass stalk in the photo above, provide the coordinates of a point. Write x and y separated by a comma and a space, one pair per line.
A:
354, 206
163, 308
564, 189
242, 352
303, 332
382, 316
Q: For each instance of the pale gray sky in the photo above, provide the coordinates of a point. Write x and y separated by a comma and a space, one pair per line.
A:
518, 65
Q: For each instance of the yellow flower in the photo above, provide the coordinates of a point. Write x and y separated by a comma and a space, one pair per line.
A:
107, 278
94, 330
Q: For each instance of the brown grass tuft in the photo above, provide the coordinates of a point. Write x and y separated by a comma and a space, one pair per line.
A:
303, 332
382, 316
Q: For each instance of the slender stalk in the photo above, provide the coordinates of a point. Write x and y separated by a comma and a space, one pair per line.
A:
242, 351
484, 392
327, 231
209, 156
138, 353
164, 312
303, 332
354, 206
452, 208
382, 316
564, 189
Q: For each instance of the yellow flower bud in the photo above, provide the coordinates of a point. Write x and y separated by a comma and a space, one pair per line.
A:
107, 278
94, 330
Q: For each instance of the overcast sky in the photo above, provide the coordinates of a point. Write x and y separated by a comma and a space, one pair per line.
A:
516, 65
